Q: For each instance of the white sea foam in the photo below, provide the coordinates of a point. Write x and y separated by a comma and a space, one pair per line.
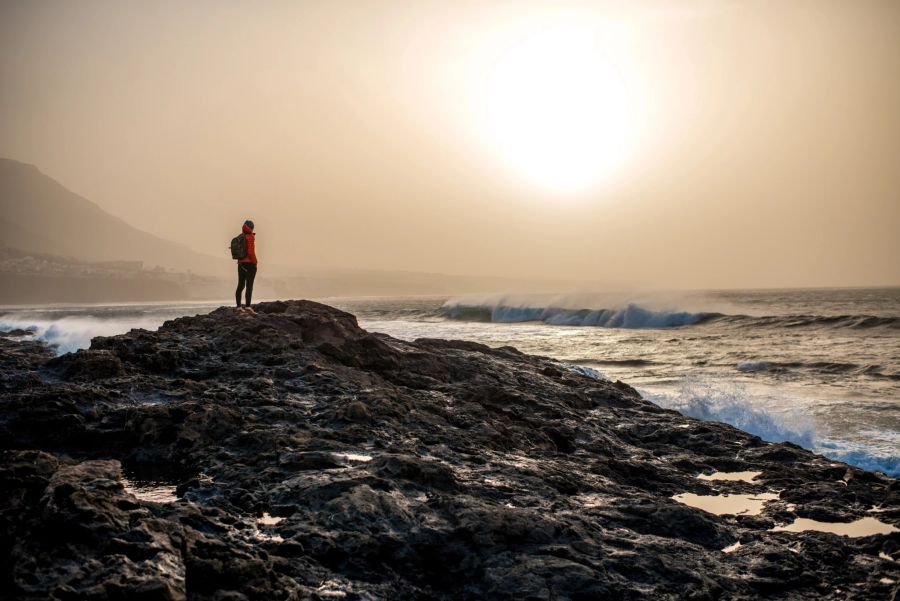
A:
713, 401
70, 333
880, 452
731, 403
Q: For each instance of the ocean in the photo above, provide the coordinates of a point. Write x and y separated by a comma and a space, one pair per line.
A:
820, 368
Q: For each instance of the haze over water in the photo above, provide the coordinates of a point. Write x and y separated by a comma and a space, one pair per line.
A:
692, 145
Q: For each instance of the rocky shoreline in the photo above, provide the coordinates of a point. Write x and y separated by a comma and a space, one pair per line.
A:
314, 460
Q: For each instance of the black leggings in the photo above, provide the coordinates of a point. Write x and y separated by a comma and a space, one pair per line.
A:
246, 275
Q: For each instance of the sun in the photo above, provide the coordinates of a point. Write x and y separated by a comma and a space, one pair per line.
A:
558, 110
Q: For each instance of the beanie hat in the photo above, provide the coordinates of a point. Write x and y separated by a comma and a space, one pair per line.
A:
249, 224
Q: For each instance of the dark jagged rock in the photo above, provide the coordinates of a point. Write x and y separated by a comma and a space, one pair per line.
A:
17, 333
399, 470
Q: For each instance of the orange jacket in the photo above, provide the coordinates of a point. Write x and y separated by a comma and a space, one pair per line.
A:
251, 245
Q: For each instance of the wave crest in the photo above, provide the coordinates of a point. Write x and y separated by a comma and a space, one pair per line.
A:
856, 322
630, 316
560, 312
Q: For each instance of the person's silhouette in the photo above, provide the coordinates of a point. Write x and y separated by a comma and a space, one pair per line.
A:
246, 267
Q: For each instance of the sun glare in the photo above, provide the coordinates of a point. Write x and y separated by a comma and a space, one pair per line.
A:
558, 110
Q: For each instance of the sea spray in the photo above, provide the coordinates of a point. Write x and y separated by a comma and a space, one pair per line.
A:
68, 334
68, 328
730, 403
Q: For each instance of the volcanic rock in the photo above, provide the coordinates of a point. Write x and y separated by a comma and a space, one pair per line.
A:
312, 459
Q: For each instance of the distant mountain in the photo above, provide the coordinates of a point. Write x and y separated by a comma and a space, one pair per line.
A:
38, 214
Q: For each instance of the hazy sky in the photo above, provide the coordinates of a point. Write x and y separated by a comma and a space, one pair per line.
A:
691, 144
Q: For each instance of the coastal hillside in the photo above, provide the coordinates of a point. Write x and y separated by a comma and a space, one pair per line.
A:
290, 454
32, 278
38, 214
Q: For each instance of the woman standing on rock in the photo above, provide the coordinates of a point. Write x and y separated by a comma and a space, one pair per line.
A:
246, 264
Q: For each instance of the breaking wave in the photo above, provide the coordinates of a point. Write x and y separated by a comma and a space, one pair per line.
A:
859, 322
633, 315
68, 334
630, 316
732, 404
71, 327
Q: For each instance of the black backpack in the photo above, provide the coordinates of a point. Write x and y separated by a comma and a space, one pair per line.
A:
239, 247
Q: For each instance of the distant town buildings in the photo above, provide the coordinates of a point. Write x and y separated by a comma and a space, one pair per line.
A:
23, 263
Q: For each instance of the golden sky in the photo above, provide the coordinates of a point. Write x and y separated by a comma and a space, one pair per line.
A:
689, 144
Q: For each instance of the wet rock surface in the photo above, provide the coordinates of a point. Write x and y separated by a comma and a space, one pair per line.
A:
427, 470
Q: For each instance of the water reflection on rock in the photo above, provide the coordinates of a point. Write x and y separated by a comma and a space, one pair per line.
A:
861, 527
731, 476
155, 492
727, 504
